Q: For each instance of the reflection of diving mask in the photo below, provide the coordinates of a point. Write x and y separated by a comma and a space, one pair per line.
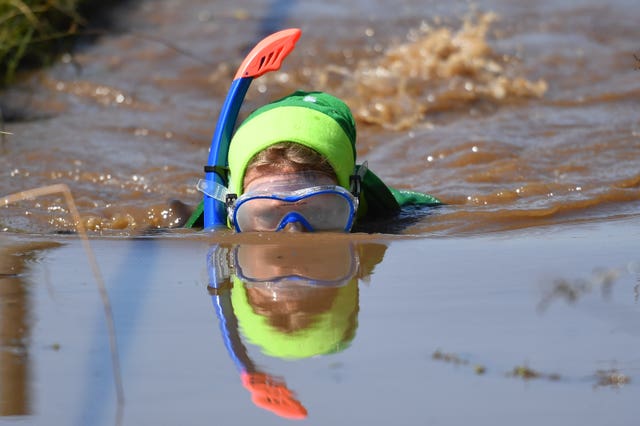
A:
323, 265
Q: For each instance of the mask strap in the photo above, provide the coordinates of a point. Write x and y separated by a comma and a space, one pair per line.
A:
355, 180
213, 189
221, 171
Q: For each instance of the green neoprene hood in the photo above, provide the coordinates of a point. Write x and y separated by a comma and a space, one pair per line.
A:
332, 331
316, 120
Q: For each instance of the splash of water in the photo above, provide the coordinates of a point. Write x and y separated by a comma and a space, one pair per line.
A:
437, 69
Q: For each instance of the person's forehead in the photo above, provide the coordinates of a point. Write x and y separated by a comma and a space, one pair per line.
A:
288, 181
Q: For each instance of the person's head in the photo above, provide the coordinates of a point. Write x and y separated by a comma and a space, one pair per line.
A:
292, 160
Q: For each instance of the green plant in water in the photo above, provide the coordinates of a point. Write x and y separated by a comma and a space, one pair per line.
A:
32, 32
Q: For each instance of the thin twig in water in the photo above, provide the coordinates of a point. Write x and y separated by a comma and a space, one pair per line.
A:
64, 189
173, 46
156, 39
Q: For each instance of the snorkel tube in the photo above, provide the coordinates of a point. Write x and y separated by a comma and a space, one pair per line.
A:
266, 56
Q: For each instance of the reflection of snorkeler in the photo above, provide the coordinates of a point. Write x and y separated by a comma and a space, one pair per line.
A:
294, 300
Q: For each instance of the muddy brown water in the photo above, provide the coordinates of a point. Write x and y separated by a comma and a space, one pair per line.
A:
515, 115
516, 302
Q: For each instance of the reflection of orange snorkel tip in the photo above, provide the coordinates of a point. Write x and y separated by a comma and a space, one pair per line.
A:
273, 395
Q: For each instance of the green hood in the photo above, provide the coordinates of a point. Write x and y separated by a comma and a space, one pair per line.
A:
316, 120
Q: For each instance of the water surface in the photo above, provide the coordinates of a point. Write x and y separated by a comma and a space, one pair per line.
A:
490, 330
515, 303
514, 114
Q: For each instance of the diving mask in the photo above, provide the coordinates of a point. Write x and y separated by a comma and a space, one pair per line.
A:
319, 208
307, 200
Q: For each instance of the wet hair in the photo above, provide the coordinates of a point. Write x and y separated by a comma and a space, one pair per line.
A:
289, 157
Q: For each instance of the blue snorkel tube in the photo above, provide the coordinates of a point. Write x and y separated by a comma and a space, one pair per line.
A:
264, 57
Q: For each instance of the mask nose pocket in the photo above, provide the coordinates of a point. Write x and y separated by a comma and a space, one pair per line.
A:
294, 221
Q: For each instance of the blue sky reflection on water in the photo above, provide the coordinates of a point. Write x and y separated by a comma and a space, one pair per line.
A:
475, 301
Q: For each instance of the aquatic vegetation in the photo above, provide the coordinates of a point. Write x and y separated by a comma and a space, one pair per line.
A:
31, 31
611, 378
527, 373
449, 357
524, 372
571, 291
604, 378
479, 369
35, 32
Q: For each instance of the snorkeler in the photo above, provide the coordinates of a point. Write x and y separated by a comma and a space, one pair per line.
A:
292, 166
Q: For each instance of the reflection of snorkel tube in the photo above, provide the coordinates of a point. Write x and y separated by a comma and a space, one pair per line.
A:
266, 56
240, 274
266, 391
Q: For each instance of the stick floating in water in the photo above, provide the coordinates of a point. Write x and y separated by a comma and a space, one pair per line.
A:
63, 189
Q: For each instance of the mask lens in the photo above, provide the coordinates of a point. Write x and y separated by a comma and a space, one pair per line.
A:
322, 208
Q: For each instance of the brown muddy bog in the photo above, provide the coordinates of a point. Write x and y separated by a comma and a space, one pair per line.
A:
516, 303
514, 115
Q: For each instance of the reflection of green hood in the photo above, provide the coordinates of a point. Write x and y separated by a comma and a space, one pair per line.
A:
316, 120
332, 331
